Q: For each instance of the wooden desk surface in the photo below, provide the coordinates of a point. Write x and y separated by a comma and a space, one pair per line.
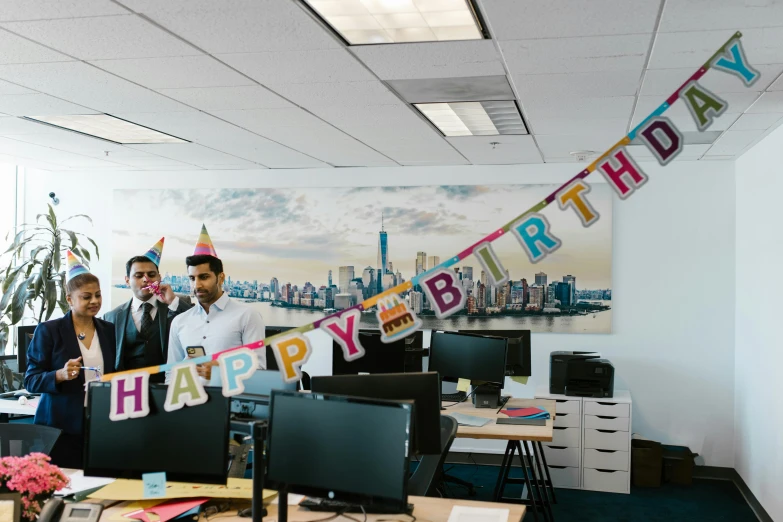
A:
424, 508
504, 431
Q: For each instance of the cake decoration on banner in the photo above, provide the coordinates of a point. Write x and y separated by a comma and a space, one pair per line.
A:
440, 283
397, 320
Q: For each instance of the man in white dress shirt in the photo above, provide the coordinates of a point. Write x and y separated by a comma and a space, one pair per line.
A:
217, 322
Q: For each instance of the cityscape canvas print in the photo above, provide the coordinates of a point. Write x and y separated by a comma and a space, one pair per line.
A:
298, 254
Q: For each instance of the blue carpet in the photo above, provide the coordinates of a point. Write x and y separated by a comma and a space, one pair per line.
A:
705, 500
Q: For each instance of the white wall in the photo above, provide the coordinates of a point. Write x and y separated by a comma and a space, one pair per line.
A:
673, 334
758, 448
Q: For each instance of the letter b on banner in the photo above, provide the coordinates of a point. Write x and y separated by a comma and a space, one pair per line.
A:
444, 292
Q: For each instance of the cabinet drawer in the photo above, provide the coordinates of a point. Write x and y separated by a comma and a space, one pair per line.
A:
557, 456
568, 437
609, 440
607, 409
606, 459
564, 406
605, 480
564, 477
567, 420
607, 423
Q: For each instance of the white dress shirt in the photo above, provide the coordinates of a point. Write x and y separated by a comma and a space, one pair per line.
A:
137, 310
227, 325
92, 357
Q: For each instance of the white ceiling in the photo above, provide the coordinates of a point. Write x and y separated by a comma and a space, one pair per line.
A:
262, 83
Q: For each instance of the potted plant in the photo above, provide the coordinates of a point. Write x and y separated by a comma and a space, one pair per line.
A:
34, 280
34, 478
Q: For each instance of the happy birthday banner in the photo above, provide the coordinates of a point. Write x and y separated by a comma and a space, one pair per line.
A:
292, 349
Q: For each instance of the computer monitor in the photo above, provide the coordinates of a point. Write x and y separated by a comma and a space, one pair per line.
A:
379, 357
462, 356
421, 388
344, 449
261, 383
518, 355
271, 361
190, 444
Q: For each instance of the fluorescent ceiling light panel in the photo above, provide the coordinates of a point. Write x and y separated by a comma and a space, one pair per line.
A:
106, 127
362, 22
485, 118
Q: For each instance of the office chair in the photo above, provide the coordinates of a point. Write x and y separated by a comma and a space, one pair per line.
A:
17, 440
426, 480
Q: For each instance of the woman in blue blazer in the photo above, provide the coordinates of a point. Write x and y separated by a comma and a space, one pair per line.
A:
57, 358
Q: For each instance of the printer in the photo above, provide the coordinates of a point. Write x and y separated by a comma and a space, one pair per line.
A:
580, 374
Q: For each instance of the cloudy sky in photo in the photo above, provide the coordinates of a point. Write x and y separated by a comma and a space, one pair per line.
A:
298, 235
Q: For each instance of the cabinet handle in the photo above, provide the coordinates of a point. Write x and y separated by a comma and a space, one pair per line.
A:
607, 451
557, 447
607, 403
607, 431
605, 417
561, 400
606, 471
558, 467
559, 428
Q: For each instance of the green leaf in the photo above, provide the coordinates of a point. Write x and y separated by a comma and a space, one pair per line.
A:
97, 254
50, 298
52, 217
5, 300
19, 301
37, 250
56, 257
11, 278
72, 235
88, 218
85, 254
62, 302
3, 337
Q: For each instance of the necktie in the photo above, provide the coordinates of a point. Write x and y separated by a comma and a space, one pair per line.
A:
146, 322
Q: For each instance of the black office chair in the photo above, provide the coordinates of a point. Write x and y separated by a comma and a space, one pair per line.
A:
17, 440
426, 480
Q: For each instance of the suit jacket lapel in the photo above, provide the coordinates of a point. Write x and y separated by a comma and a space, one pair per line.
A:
68, 336
106, 348
120, 324
163, 321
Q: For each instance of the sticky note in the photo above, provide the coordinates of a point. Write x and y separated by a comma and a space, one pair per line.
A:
522, 379
154, 484
463, 385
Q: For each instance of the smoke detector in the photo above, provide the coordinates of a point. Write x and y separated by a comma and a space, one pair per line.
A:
582, 155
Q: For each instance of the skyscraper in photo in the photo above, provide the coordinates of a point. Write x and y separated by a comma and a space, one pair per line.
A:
383, 256
433, 261
346, 276
421, 262
541, 279
330, 278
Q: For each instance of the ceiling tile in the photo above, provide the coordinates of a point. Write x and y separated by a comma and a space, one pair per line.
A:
16, 147
471, 88
338, 93
262, 121
698, 15
36, 163
688, 151
314, 66
10, 88
560, 146
585, 84
718, 158
616, 126
497, 150
692, 49
759, 121
432, 60
681, 116
190, 153
768, 102
239, 26
510, 19
175, 72
733, 142
664, 82
738, 103
38, 105
227, 98
568, 55
15, 49
540, 108
364, 115
103, 37
15, 10
86, 85
777, 85
11, 126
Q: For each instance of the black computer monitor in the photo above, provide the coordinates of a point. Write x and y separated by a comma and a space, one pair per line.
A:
190, 444
345, 449
462, 356
518, 356
421, 388
271, 361
379, 357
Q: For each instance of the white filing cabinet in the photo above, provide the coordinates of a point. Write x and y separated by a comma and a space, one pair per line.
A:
591, 447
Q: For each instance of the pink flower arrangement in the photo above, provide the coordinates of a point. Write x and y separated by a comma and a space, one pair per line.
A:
34, 478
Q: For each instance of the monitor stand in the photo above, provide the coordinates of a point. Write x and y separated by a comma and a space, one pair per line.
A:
486, 396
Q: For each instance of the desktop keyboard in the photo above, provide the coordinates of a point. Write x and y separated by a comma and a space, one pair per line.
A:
333, 506
453, 397
237, 460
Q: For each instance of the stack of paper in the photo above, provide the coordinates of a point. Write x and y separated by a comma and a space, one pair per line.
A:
469, 420
527, 413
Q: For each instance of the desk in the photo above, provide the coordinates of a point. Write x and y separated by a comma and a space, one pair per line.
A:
12, 407
517, 436
424, 508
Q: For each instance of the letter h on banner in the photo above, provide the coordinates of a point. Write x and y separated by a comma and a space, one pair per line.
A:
130, 396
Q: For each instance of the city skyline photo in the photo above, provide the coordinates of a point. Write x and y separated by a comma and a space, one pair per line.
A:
298, 235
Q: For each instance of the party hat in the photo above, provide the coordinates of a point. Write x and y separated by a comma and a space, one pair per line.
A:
204, 246
154, 253
75, 267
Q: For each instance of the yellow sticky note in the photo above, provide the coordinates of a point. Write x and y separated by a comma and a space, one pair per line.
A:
521, 379
463, 385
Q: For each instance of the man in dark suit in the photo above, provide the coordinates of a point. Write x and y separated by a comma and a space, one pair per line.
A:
142, 325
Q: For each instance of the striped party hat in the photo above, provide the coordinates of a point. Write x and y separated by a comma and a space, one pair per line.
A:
154, 253
204, 246
75, 267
